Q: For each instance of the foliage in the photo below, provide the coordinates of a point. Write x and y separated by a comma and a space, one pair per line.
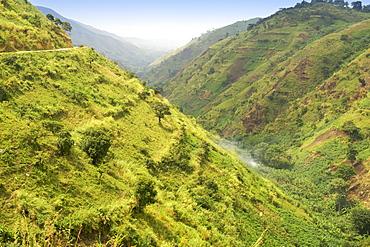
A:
204, 196
65, 142
145, 194
96, 143
277, 158
345, 172
361, 220
352, 131
23, 27
161, 109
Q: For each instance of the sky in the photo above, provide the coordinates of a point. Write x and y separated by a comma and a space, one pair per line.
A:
179, 20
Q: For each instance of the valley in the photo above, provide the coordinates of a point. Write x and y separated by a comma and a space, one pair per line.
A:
260, 138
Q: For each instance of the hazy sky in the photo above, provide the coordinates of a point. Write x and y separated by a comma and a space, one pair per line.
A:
162, 19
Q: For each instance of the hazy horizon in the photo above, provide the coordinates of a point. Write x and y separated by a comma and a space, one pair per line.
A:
162, 19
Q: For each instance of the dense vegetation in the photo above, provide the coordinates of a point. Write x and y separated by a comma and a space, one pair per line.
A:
293, 91
90, 156
84, 160
23, 27
166, 67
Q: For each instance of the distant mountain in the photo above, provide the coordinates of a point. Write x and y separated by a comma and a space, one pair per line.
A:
166, 67
128, 55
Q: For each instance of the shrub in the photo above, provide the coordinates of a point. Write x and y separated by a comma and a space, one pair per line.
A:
345, 172
360, 218
95, 143
145, 194
65, 143
276, 157
52, 126
352, 131
6, 235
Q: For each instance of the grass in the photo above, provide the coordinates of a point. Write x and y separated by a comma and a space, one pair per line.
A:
23, 27
205, 195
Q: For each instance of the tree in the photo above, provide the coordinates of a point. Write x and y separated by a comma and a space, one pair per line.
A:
145, 194
357, 5
366, 9
95, 143
50, 17
345, 172
339, 3
66, 26
161, 110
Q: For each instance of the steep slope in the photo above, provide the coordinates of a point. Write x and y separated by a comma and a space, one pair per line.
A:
89, 156
54, 194
128, 55
23, 27
166, 67
294, 92
230, 86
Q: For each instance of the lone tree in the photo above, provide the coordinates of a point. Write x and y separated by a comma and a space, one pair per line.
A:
95, 143
161, 110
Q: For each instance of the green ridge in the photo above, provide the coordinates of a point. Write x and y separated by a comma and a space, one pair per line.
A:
23, 27
167, 66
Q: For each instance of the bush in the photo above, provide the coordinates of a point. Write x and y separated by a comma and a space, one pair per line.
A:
361, 220
52, 126
345, 172
6, 235
277, 158
95, 143
65, 143
352, 131
145, 194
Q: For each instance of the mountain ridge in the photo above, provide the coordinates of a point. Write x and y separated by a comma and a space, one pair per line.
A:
90, 156
167, 66
127, 54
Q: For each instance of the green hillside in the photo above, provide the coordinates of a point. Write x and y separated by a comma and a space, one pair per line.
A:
166, 67
23, 27
293, 91
235, 76
89, 156
54, 192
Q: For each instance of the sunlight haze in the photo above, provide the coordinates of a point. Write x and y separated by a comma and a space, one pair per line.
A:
164, 19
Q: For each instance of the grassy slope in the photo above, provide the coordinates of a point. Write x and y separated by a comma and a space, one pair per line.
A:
23, 27
227, 85
205, 196
295, 91
166, 67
